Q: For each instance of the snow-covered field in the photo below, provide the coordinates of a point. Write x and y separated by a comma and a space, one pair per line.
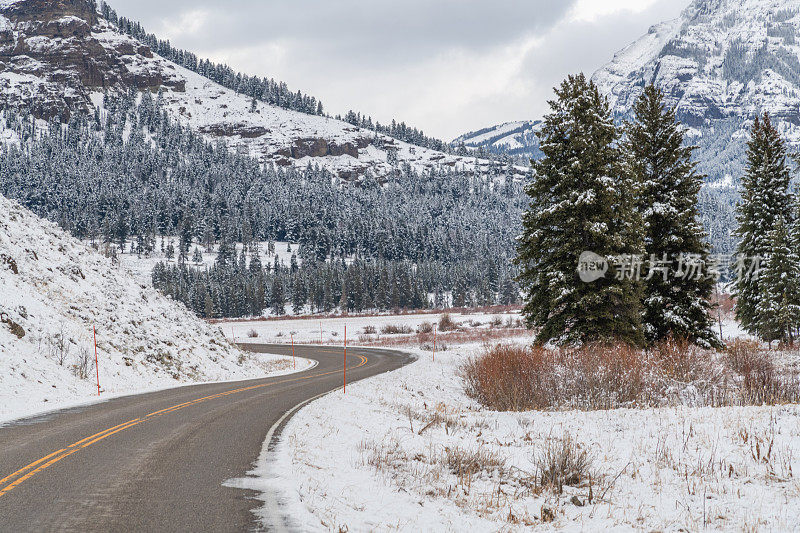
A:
409, 451
331, 330
54, 290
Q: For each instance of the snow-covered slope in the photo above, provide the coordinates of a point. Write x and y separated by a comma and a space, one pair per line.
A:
721, 59
54, 290
514, 138
60, 55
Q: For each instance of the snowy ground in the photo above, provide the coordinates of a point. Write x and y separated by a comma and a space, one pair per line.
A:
54, 290
331, 330
386, 456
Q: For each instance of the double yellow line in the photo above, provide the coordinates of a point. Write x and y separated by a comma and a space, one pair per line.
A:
13, 480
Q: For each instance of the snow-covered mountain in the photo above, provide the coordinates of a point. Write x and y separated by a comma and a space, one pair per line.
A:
720, 59
720, 63
513, 138
54, 290
58, 56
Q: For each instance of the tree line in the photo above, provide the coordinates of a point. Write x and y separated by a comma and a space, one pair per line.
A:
243, 285
130, 174
264, 89
768, 289
612, 249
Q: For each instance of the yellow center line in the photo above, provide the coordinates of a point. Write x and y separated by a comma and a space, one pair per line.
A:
57, 456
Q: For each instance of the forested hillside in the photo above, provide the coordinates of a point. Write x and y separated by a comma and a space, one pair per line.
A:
131, 173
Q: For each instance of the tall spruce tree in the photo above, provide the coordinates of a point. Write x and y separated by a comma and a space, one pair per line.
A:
676, 298
778, 312
580, 200
765, 200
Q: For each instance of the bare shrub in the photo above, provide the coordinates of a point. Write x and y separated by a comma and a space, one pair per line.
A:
607, 376
682, 361
603, 376
446, 323
425, 327
58, 347
594, 377
370, 330
496, 322
252, 334
760, 380
393, 329
562, 461
744, 356
502, 378
83, 364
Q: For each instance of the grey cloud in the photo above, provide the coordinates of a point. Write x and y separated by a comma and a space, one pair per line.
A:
365, 30
351, 53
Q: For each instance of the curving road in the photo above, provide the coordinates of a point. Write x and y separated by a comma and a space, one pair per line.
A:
158, 461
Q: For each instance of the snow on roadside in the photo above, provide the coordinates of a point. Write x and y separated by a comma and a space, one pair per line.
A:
382, 457
54, 290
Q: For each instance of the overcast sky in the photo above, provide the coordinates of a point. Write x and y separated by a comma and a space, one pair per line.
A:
445, 66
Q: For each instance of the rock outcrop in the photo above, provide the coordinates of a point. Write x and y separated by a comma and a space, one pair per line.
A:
55, 53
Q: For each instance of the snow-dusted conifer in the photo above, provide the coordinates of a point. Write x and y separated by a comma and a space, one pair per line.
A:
765, 200
778, 312
580, 200
676, 297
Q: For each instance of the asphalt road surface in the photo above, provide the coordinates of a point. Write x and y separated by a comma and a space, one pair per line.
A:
157, 461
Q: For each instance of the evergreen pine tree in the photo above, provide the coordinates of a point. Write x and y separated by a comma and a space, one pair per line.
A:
580, 200
778, 312
277, 297
765, 200
676, 303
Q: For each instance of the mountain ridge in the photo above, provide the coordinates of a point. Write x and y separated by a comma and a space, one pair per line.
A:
720, 63
60, 56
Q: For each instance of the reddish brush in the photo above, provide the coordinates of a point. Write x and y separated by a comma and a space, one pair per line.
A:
606, 376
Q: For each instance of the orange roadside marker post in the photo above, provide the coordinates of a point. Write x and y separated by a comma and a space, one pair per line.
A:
96, 367
294, 363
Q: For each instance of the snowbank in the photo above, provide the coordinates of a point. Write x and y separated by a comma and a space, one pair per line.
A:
54, 290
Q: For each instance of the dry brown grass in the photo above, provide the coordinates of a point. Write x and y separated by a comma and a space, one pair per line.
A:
513, 378
563, 461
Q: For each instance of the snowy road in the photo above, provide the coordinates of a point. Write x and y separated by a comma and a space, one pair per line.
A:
158, 461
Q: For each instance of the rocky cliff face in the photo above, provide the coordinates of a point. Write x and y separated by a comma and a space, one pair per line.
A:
59, 56
722, 59
54, 54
